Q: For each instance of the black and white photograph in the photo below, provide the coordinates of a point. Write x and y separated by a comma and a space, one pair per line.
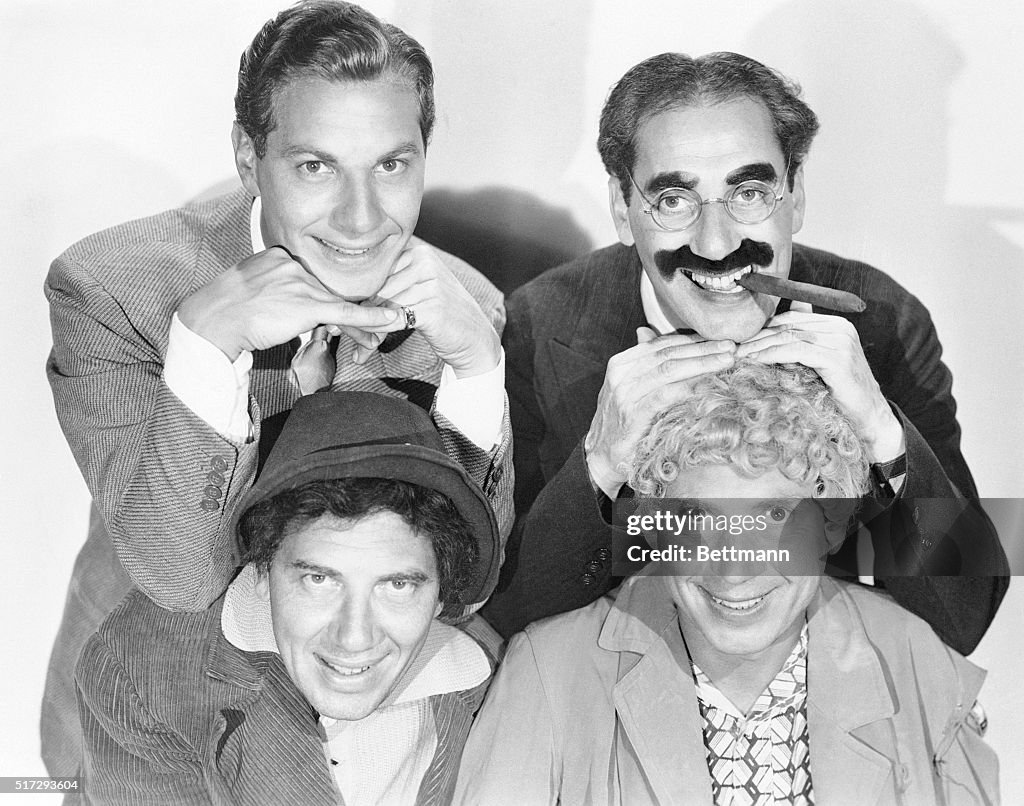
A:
512, 403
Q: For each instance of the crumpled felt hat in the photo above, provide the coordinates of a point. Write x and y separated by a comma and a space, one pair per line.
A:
339, 434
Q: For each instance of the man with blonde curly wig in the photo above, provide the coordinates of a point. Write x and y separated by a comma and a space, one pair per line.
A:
730, 681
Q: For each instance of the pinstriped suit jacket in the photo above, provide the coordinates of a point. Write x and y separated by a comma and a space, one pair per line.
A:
149, 462
174, 713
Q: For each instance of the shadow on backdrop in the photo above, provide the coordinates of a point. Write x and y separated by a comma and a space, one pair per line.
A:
508, 234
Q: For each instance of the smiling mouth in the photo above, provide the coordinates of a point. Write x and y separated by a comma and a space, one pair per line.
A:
345, 671
719, 283
341, 250
738, 605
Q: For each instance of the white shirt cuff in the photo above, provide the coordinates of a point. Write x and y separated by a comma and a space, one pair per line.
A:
214, 388
474, 405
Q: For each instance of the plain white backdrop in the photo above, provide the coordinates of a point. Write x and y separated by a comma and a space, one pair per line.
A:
114, 110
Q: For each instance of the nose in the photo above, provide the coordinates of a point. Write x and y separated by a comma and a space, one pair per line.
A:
354, 627
715, 234
735, 574
733, 568
357, 207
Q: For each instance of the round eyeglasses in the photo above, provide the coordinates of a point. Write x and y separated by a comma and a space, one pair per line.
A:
750, 202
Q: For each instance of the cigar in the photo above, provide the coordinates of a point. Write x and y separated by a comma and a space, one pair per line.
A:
818, 295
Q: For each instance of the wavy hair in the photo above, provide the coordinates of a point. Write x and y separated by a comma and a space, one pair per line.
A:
755, 417
669, 80
332, 40
264, 526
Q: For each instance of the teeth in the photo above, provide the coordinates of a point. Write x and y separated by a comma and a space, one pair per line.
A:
342, 251
723, 283
738, 605
347, 672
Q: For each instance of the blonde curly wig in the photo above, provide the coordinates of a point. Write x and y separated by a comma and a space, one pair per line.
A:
755, 417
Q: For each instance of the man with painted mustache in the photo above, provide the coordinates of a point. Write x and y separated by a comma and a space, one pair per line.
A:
705, 158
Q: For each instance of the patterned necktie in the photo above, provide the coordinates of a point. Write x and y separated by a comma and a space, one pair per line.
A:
313, 364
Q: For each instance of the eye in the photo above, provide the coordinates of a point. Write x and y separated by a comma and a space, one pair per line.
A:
313, 167
673, 202
315, 580
778, 513
400, 590
752, 195
393, 166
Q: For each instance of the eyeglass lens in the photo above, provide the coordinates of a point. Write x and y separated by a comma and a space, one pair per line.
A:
748, 203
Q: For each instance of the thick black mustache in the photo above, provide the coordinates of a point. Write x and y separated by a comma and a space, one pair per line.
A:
748, 253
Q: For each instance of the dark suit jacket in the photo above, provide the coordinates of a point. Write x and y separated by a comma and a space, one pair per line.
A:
565, 325
173, 713
164, 483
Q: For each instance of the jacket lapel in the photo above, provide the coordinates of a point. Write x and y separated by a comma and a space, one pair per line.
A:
266, 746
452, 718
654, 698
656, 701
849, 707
603, 322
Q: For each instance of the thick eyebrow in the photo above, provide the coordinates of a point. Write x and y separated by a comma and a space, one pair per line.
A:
667, 180
402, 150
781, 501
313, 568
406, 576
759, 171
411, 575
301, 150
304, 150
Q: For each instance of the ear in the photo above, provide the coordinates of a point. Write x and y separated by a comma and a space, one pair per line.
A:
245, 159
799, 199
262, 585
620, 212
438, 608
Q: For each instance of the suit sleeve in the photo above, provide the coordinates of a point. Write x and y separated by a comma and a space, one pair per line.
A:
493, 470
511, 754
130, 757
936, 550
164, 482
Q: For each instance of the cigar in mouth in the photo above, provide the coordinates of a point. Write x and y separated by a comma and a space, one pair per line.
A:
830, 298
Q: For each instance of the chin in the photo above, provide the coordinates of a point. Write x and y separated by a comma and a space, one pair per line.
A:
350, 708
738, 328
353, 288
733, 331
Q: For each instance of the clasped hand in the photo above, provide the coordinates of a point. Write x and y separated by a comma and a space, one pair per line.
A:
644, 379
269, 298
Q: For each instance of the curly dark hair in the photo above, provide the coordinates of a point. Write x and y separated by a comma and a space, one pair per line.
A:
264, 526
332, 40
673, 79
